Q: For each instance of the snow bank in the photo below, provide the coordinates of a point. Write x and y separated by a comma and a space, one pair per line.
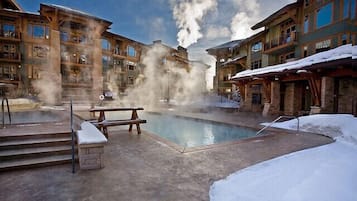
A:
324, 173
338, 126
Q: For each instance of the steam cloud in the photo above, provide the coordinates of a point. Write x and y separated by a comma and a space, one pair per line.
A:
246, 17
188, 15
162, 79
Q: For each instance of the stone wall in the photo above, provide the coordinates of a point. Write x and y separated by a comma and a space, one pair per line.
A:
347, 91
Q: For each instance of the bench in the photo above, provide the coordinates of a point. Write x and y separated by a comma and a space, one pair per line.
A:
103, 124
90, 147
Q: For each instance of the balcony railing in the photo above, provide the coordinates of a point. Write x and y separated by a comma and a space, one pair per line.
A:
10, 34
10, 56
281, 41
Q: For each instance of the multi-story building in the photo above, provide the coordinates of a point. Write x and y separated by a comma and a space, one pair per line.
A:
299, 30
60, 54
230, 59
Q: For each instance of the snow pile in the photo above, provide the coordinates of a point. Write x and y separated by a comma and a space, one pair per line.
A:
324, 173
340, 52
337, 126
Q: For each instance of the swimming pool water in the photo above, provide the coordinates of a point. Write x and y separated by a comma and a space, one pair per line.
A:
188, 132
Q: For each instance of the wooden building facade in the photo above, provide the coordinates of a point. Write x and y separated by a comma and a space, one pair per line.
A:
67, 54
298, 30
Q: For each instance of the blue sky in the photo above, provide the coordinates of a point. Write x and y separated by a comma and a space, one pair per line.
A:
210, 22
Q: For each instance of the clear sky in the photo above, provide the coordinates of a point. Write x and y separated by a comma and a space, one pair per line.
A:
200, 24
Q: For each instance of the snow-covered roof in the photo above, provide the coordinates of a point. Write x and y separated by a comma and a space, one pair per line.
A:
341, 52
229, 45
70, 10
21, 11
233, 60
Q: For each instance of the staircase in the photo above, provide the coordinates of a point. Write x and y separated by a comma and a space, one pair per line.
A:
34, 145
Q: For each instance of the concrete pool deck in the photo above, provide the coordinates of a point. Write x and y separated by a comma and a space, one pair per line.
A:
139, 167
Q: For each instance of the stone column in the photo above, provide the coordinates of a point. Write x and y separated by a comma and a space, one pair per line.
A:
274, 105
97, 75
327, 94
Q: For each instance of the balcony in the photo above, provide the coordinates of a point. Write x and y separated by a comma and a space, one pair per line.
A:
10, 35
10, 57
281, 44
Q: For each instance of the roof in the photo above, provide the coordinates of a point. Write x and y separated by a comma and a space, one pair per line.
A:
74, 11
228, 45
339, 53
11, 4
275, 15
233, 60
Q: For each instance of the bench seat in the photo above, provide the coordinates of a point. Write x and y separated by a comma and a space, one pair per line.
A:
109, 123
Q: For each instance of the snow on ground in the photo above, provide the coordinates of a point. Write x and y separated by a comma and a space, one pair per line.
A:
326, 173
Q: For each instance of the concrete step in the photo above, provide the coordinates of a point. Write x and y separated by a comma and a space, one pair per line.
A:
13, 154
35, 162
34, 142
33, 135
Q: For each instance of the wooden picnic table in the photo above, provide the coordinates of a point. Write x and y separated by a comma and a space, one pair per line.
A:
102, 123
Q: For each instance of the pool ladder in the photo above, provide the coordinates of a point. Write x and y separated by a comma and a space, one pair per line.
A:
5, 100
277, 119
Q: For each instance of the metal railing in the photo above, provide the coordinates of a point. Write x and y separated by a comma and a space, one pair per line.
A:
5, 100
277, 119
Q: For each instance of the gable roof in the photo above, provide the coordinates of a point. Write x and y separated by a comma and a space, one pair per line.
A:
275, 15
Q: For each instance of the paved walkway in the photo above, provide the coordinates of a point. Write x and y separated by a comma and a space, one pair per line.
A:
139, 167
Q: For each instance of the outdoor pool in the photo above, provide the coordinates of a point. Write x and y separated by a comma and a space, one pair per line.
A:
36, 116
189, 132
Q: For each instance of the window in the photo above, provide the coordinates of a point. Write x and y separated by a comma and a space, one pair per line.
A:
131, 51
131, 67
324, 16
9, 51
40, 51
106, 60
344, 39
130, 80
38, 31
105, 44
8, 72
306, 24
8, 30
353, 9
256, 98
305, 51
346, 8
322, 46
64, 36
256, 64
256, 47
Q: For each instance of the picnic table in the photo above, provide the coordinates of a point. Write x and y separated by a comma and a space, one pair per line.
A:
102, 123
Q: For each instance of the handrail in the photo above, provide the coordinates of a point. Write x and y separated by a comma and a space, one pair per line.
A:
3, 111
72, 134
277, 119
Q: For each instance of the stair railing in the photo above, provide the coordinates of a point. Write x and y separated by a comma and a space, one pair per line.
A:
5, 100
277, 119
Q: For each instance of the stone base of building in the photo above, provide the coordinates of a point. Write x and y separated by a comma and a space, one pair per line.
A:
315, 110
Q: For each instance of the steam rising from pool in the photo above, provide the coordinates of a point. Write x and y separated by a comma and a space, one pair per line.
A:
163, 80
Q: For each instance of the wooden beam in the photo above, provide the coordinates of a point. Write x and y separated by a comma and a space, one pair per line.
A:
315, 86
